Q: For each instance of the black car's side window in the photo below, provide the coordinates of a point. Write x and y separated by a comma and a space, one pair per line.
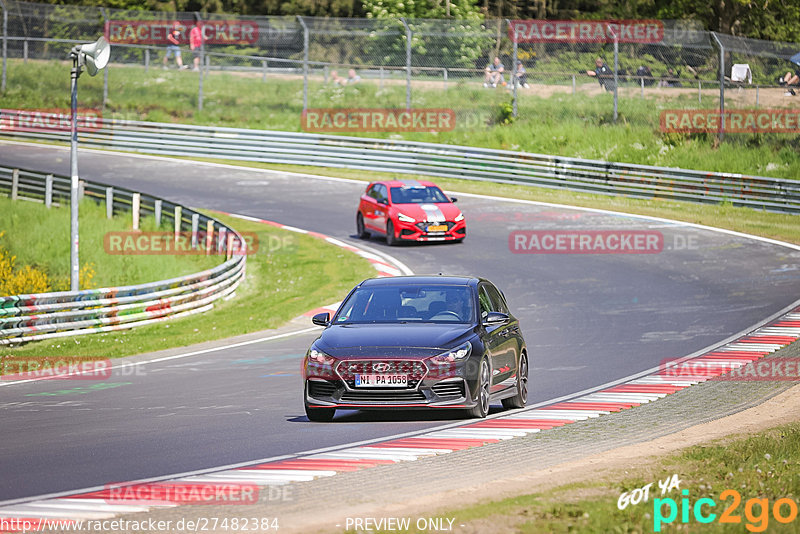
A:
485, 301
497, 300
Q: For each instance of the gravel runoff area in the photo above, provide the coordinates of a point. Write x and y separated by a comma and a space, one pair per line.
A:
572, 453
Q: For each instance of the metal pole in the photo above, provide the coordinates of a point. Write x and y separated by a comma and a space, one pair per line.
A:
73, 164
5, 44
408, 62
616, 74
202, 64
305, 62
721, 86
513, 71
105, 70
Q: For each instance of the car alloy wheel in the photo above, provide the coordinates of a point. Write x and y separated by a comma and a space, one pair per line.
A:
360, 230
521, 398
391, 240
481, 409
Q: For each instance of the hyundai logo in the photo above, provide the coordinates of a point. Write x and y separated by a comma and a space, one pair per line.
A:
381, 367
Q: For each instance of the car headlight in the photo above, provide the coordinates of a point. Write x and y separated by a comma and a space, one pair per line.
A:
319, 357
405, 218
459, 218
455, 355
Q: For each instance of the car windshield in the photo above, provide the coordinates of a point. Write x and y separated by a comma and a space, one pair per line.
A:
400, 304
418, 195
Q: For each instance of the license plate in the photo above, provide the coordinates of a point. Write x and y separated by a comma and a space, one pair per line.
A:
437, 228
381, 381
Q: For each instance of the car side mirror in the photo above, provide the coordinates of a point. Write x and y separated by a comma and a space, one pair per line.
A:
453, 200
494, 318
321, 319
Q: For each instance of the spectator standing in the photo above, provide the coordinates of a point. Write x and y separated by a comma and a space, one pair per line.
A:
336, 79
196, 43
173, 45
494, 73
604, 75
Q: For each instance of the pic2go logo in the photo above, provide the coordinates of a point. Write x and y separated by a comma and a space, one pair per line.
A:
756, 511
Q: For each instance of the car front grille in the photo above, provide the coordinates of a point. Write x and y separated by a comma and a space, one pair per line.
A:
451, 390
423, 226
320, 389
414, 369
398, 396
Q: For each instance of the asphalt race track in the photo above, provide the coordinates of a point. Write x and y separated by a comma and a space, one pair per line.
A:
588, 319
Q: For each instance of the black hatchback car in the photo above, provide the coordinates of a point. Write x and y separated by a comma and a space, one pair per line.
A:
417, 342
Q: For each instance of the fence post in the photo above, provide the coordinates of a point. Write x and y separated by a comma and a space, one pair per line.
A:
209, 236
48, 190
25, 51
135, 203
380, 84
408, 62
445, 78
177, 218
642, 84
616, 75
263, 70
305, 62
157, 214
14, 184
146, 59
721, 86
195, 225
513, 69
756, 95
573, 84
5, 44
202, 66
105, 70
109, 202
699, 91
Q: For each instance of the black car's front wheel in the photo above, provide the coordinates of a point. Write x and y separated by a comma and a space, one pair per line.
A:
481, 408
521, 398
318, 415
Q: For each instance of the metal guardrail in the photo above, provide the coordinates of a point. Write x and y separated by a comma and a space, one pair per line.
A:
449, 161
50, 315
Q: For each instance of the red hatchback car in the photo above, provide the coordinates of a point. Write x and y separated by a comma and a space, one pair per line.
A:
409, 210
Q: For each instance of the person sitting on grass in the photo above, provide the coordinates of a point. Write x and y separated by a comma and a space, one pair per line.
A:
604, 75
522, 75
790, 78
494, 74
336, 79
352, 77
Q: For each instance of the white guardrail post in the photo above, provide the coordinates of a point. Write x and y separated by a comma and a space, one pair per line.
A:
70, 313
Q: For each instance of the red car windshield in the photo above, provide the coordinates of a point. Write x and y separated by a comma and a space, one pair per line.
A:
418, 195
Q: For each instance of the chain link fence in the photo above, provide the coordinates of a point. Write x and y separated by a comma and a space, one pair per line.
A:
295, 72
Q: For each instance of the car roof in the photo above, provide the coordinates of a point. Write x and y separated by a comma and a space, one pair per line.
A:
417, 280
407, 183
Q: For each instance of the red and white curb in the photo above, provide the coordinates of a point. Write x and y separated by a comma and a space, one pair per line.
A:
384, 267
111, 502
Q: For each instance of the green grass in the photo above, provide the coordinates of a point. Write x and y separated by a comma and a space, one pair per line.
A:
760, 466
578, 125
40, 237
281, 283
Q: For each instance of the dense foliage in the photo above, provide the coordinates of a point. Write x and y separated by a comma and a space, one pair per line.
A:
764, 19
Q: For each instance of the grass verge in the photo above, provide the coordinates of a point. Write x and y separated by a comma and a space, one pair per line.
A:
558, 123
280, 284
762, 469
40, 237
